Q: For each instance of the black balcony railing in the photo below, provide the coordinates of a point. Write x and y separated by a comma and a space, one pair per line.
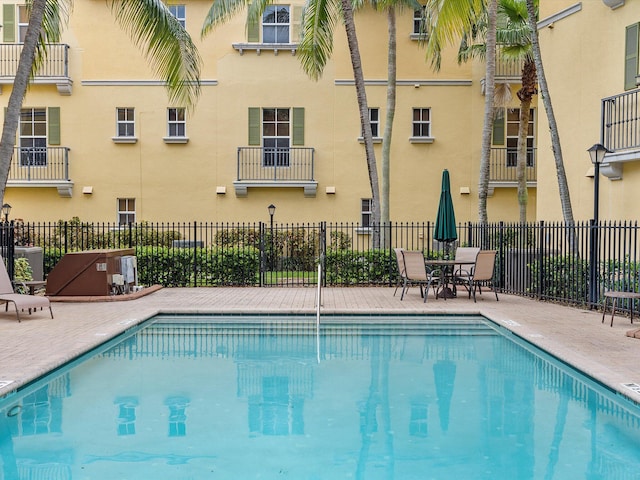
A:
39, 164
621, 121
55, 65
503, 163
275, 164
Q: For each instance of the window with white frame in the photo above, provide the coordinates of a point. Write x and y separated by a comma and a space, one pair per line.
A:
374, 121
125, 122
365, 212
126, 210
276, 136
33, 137
513, 127
421, 122
179, 11
176, 122
275, 24
419, 28
23, 22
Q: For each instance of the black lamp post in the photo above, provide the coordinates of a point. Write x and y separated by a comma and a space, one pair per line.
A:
597, 153
272, 210
6, 210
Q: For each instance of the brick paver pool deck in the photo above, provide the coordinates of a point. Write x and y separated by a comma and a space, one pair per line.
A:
578, 337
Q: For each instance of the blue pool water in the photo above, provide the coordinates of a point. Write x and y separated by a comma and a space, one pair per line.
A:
260, 398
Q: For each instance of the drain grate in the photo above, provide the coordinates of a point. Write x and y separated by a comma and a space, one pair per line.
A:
634, 387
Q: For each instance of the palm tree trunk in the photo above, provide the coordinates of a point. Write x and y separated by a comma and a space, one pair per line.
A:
483, 186
565, 198
525, 94
18, 91
361, 93
385, 216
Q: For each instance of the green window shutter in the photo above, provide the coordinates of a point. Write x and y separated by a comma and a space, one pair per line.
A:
498, 128
631, 56
53, 120
296, 23
9, 23
298, 126
254, 126
253, 31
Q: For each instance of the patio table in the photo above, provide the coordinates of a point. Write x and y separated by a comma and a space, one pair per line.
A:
446, 267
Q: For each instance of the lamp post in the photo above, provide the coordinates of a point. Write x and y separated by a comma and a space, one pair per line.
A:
272, 211
6, 210
597, 153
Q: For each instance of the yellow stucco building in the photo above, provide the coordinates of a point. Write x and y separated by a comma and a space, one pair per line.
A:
99, 140
590, 53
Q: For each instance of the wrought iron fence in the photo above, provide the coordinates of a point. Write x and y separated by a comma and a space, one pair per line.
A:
56, 63
621, 121
550, 261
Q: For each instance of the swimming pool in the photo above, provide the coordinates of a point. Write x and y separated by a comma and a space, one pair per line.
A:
259, 397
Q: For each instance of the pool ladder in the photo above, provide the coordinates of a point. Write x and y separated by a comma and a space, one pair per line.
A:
318, 305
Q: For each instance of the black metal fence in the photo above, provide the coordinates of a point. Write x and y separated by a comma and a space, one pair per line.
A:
551, 261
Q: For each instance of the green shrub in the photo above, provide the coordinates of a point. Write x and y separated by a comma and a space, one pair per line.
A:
359, 268
561, 277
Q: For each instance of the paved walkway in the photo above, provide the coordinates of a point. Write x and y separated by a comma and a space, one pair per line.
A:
38, 344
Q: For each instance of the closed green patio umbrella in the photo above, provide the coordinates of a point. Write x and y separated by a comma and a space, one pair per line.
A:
445, 229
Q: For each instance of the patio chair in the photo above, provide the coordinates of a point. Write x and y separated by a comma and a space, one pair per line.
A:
20, 301
483, 273
400, 261
462, 271
416, 273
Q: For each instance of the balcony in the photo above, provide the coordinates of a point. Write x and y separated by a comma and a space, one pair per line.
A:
620, 130
261, 167
41, 167
53, 71
502, 168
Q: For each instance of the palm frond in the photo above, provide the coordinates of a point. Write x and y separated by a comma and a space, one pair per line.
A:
318, 22
166, 45
220, 12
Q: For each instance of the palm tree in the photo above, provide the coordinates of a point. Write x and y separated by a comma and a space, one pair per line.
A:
514, 37
167, 46
565, 198
448, 21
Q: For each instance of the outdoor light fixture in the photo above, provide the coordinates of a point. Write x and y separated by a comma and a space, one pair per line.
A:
272, 209
6, 210
597, 153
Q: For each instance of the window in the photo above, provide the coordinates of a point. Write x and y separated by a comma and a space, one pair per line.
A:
179, 12
275, 24
421, 122
276, 138
365, 213
176, 123
419, 28
631, 54
513, 125
33, 137
23, 22
126, 210
125, 122
374, 121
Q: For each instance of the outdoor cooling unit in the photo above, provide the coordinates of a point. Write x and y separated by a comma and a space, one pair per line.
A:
94, 273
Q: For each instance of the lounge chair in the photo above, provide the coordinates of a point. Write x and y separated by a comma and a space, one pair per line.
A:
416, 273
462, 271
20, 301
400, 261
483, 273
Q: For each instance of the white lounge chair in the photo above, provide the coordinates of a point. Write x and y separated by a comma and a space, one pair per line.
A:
20, 301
